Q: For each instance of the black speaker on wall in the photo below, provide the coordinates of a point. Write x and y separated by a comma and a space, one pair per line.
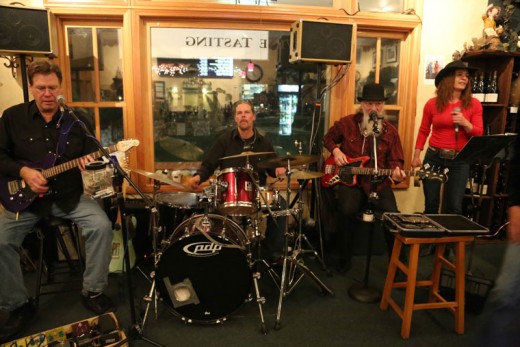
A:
318, 41
25, 30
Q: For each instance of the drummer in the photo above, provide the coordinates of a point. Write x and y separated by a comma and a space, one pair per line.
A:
244, 138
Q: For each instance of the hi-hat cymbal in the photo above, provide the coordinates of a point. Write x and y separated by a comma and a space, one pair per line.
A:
294, 160
245, 154
159, 177
304, 175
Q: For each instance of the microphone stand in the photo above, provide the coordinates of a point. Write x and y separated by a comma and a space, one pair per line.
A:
136, 330
361, 291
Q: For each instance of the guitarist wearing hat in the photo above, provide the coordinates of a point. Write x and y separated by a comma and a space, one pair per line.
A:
30, 132
352, 137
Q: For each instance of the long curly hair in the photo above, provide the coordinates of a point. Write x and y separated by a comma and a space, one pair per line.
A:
445, 91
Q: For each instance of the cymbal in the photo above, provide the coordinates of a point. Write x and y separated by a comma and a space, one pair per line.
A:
294, 160
159, 177
304, 175
245, 154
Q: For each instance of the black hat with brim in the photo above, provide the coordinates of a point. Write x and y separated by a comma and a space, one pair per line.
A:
373, 92
451, 67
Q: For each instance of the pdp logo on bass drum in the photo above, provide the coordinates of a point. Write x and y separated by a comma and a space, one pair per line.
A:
202, 249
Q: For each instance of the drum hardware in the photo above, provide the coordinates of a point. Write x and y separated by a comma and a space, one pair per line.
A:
293, 261
161, 178
294, 160
245, 154
305, 175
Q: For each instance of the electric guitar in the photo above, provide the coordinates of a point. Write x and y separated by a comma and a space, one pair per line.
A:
16, 195
347, 174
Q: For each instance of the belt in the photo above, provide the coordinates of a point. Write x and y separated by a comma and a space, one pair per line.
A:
444, 153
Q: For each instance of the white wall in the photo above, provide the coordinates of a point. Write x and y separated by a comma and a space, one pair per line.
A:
447, 25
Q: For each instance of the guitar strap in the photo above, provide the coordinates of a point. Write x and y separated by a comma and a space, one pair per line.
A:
64, 129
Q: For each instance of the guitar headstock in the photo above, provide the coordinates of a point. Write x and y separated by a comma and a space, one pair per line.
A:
431, 173
125, 145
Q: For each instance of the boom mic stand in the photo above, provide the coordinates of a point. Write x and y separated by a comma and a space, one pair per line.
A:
361, 291
136, 330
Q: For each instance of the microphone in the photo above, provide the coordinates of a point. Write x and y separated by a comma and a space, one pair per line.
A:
456, 110
61, 101
63, 106
373, 116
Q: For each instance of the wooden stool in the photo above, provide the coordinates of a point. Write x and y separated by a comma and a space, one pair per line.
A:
435, 300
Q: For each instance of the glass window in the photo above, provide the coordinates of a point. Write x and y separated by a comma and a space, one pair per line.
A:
322, 3
81, 55
95, 72
193, 98
395, 6
111, 124
380, 66
110, 63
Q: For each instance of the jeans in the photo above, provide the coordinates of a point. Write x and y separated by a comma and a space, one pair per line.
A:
95, 227
455, 185
498, 324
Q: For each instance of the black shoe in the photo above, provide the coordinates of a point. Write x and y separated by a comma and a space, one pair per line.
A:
343, 265
17, 321
98, 303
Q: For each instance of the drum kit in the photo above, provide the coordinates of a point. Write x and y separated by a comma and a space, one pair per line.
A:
206, 266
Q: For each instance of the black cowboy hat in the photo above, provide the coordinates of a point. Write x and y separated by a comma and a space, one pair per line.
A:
451, 67
373, 92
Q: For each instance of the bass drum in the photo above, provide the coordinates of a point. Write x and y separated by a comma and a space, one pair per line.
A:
205, 278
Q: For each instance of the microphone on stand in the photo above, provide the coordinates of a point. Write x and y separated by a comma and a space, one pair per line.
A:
61, 101
373, 116
63, 106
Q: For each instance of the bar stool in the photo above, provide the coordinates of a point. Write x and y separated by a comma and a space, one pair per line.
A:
435, 299
67, 236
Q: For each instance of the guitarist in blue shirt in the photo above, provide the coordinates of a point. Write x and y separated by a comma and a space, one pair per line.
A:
36, 135
352, 138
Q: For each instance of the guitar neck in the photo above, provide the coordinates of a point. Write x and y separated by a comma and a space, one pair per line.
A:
372, 171
58, 169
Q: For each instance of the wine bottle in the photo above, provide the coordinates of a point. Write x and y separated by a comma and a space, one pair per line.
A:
478, 93
492, 88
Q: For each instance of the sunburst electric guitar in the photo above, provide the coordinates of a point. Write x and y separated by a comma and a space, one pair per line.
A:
15, 194
347, 174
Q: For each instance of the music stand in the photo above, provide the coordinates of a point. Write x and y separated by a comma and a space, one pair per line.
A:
484, 150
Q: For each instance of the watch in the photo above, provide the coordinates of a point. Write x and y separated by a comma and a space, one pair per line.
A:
255, 75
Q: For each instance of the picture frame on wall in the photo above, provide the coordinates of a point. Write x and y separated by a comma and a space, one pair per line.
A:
158, 90
391, 54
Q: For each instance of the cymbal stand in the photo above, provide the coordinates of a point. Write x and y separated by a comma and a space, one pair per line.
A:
260, 300
301, 237
296, 262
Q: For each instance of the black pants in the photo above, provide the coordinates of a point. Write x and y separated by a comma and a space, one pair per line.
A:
351, 203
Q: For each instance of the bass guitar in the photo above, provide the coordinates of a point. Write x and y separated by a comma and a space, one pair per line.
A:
16, 195
347, 174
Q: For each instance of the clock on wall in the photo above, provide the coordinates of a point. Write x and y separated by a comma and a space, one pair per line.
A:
256, 74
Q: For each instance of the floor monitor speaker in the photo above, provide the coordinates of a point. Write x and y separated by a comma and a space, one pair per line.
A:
25, 30
324, 42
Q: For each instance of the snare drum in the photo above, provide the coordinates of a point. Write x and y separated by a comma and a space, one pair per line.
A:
236, 192
205, 279
174, 207
268, 196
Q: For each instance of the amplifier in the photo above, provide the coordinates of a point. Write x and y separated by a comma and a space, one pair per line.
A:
432, 225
